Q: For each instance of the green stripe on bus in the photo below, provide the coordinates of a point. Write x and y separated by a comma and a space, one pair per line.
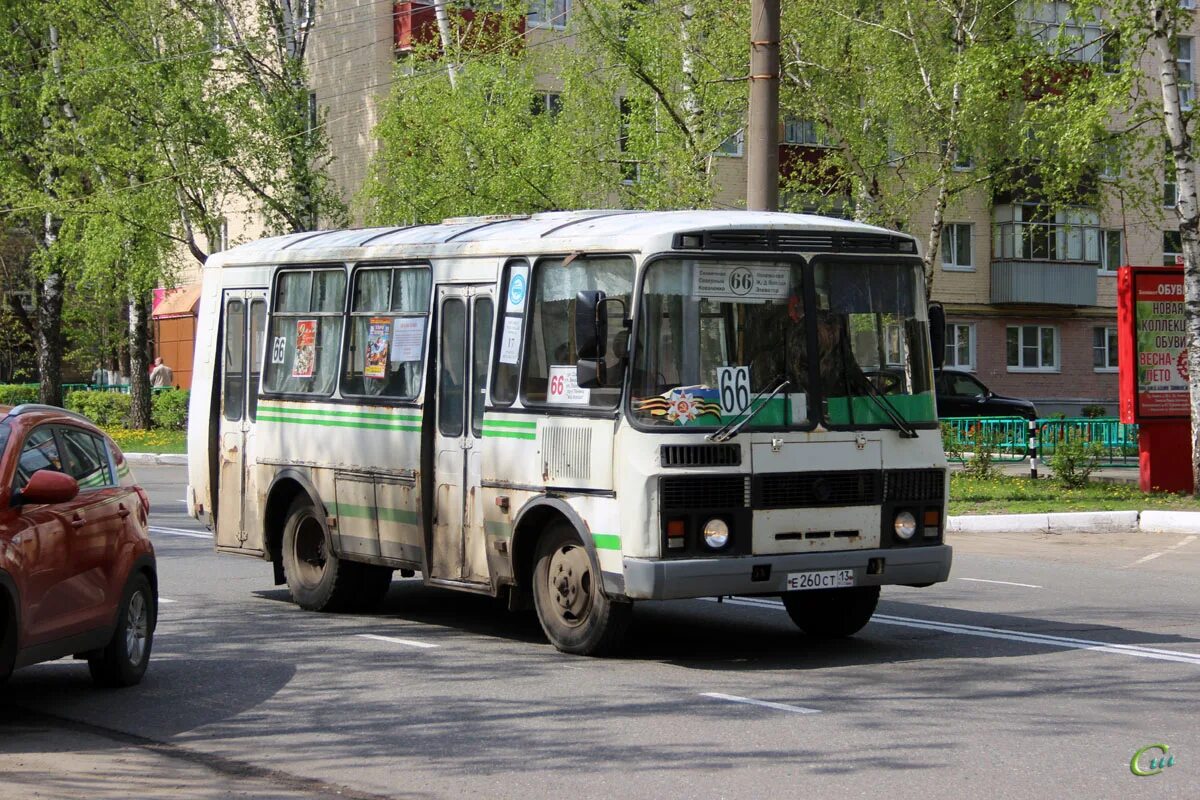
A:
320, 412
606, 541
508, 423
368, 512
337, 423
507, 435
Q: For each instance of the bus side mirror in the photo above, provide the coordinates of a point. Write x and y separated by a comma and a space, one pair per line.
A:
937, 334
591, 326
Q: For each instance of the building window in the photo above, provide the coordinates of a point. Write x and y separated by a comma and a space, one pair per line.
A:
1111, 167
222, 234
1032, 347
547, 103
313, 116
805, 132
960, 345
1038, 233
1110, 250
1183, 54
1064, 33
1104, 349
1170, 188
957, 252
734, 146
1172, 248
630, 167
549, 13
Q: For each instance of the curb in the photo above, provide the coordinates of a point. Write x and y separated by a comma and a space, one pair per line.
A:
1079, 522
178, 459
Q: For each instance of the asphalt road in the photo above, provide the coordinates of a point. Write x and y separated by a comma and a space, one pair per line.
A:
1036, 671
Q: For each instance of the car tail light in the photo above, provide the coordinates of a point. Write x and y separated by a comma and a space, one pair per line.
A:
144, 498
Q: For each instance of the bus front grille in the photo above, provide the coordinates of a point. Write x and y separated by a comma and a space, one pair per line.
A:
703, 491
915, 485
817, 489
701, 455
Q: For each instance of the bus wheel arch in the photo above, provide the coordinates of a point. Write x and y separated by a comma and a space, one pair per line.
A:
535, 518
286, 486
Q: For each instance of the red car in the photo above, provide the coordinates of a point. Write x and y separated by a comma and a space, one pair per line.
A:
77, 570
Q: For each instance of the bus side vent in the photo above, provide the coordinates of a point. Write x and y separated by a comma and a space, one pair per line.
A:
912, 485
795, 241
703, 491
701, 455
567, 452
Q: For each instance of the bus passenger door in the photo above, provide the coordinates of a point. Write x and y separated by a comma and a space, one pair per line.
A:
464, 336
241, 364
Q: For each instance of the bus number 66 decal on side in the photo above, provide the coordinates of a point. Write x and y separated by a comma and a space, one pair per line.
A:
278, 349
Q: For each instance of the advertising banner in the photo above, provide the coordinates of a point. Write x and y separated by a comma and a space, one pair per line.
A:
1162, 388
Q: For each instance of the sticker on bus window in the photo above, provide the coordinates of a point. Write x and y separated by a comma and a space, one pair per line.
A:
734, 385
306, 348
408, 339
279, 350
518, 289
379, 337
742, 284
563, 388
510, 340
682, 405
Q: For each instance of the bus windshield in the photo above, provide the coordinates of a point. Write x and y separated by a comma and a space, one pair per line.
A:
716, 337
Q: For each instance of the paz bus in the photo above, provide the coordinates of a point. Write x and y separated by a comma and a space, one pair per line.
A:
576, 411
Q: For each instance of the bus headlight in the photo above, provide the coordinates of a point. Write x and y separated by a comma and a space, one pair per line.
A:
716, 534
905, 525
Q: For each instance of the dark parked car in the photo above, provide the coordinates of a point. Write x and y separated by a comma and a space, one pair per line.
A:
961, 394
77, 570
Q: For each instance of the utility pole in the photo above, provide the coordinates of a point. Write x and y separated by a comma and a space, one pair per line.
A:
762, 135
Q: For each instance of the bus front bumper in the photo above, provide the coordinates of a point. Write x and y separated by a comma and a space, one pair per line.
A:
652, 579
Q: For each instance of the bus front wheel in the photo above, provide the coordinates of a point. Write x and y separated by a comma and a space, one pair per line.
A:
575, 614
316, 577
832, 613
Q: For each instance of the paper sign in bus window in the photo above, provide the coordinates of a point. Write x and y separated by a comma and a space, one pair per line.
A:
510, 340
742, 284
408, 336
379, 335
518, 289
563, 388
306, 349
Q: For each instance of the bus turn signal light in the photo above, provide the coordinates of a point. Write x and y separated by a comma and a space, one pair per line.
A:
675, 534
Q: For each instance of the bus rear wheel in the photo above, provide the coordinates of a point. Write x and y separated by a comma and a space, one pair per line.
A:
316, 577
832, 613
576, 615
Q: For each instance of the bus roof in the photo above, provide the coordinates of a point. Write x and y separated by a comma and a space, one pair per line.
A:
611, 230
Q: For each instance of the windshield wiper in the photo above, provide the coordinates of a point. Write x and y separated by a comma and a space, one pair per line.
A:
735, 425
906, 431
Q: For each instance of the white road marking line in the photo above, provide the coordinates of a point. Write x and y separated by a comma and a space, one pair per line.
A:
395, 640
1067, 642
733, 698
1185, 541
1005, 583
165, 600
177, 532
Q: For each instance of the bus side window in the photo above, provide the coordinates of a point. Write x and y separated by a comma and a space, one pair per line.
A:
511, 333
385, 347
305, 331
234, 392
258, 324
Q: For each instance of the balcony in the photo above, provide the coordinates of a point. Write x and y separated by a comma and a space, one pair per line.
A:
416, 23
1045, 263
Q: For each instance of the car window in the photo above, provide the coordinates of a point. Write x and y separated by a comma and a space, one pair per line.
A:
85, 458
966, 386
40, 451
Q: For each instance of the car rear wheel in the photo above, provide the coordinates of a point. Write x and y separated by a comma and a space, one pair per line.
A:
124, 659
832, 613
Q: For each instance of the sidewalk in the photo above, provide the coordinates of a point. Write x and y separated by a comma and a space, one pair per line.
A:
1103, 475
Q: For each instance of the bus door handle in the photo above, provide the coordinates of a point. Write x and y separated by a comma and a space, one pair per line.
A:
467, 443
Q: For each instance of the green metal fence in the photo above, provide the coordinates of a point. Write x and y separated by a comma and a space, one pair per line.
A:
1116, 442
1006, 438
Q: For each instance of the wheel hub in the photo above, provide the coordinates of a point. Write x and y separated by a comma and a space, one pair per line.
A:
570, 582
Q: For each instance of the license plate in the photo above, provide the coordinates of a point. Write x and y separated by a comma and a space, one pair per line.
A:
834, 579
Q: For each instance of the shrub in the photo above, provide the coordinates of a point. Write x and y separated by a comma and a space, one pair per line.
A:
106, 409
1094, 411
170, 409
984, 443
1073, 462
14, 394
952, 443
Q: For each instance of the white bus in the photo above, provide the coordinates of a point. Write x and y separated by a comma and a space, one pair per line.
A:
576, 410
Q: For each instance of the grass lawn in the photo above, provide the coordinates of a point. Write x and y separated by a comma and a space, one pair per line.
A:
149, 441
1019, 495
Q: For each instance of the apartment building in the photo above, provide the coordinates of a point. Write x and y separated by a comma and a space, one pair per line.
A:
1030, 292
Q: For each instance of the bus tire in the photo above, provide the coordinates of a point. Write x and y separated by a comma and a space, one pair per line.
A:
316, 577
832, 613
576, 615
